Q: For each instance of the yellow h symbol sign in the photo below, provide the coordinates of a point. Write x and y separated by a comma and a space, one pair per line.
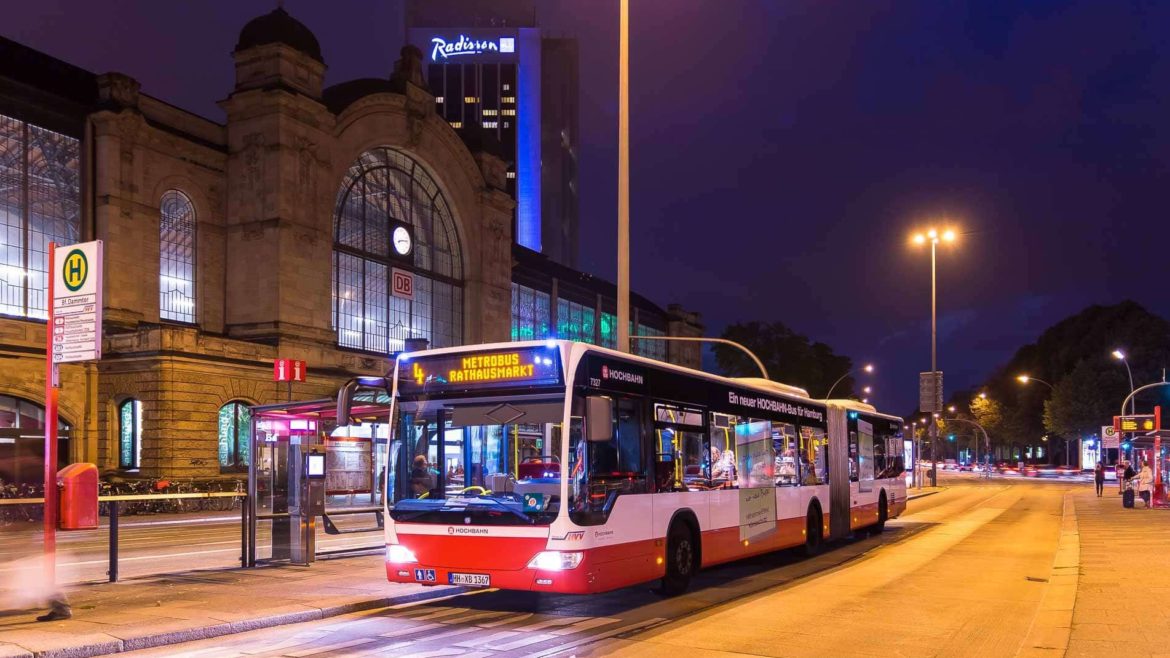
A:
75, 270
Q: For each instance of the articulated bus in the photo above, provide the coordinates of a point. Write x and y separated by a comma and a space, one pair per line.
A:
565, 467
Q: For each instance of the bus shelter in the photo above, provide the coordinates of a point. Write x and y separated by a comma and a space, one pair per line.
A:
1151, 448
355, 467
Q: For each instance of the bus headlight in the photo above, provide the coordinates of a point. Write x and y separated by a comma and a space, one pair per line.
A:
556, 560
399, 554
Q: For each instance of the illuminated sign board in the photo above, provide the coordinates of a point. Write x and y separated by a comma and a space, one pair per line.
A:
534, 366
467, 44
1137, 423
446, 47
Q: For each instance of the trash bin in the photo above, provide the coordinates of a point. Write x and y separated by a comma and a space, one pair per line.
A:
78, 504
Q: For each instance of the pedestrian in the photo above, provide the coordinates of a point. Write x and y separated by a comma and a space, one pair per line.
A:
1119, 470
1099, 478
1145, 483
1129, 472
24, 582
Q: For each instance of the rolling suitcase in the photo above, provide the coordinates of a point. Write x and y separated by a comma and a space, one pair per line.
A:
1127, 498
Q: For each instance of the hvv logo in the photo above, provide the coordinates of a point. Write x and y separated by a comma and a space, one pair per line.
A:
441, 48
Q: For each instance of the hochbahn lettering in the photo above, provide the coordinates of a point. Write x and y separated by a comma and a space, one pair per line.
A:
778, 406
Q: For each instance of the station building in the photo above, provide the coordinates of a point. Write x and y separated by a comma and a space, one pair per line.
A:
267, 236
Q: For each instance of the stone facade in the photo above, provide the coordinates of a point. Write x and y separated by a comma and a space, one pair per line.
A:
264, 186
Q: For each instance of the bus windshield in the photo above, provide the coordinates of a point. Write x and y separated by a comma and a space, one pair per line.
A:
482, 461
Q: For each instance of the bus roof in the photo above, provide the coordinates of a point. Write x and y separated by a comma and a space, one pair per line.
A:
758, 383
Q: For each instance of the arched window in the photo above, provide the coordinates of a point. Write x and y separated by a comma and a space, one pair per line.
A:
40, 202
130, 435
382, 186
176, 268
235, 436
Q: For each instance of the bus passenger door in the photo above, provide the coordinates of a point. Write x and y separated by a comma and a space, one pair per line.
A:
839, 484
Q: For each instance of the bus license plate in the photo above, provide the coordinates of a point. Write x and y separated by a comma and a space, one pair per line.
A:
473, 579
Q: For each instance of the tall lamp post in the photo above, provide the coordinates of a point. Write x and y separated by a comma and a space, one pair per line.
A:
1121, 356
623, 237
867, 368
934, 236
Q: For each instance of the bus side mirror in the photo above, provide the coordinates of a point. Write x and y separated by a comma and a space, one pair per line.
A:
598, 419
344, 400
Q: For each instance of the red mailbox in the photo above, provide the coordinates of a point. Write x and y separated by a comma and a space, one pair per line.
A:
78, 486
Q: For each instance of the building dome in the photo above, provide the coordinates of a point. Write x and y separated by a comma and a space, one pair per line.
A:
278, 27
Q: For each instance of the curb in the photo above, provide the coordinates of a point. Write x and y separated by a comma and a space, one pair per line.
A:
134, 643
1051, 629
922, 494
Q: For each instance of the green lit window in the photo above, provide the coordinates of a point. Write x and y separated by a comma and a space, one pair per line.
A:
235, 436
654, 349
608, 330
130, 435
531, 313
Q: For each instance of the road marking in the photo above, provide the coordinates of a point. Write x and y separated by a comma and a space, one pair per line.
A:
484, 641
522, 642
331, 647
556, 621
407, 631
268, 644
447, 651
600, 636
440, 613
506, 620
580, 626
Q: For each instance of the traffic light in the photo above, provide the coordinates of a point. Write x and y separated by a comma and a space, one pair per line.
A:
1125, 445
950, 437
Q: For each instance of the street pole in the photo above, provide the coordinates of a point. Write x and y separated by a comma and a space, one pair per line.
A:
695, 339
623, 237
51, 383
934, 361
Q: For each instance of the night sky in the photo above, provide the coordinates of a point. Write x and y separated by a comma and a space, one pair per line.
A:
783, 152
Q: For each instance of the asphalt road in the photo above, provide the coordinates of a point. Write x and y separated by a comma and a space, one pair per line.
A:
960, 574
162, 543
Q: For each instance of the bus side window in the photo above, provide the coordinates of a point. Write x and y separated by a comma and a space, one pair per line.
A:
786, 449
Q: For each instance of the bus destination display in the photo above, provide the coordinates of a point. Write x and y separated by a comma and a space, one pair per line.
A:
524, 367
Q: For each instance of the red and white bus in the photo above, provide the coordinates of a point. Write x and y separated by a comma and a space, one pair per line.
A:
565, 467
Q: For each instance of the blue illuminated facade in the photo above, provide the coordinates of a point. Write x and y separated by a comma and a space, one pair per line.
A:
521, 88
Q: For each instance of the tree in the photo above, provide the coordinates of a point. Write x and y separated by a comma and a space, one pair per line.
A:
1086, 399
1088, 335
789, 357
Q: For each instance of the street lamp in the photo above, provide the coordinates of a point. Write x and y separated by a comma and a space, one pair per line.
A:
1024, 379
1120, 356
868, 368
982, 396
934, 236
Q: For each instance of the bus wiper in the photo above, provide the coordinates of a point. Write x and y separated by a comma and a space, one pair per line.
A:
500, 503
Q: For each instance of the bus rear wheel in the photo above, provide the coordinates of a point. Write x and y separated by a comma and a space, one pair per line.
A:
813, 532
681, 553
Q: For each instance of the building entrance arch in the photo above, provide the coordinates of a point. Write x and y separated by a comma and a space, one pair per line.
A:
22, 446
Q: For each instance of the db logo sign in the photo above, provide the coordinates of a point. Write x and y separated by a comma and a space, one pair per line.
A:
403, 284
605, 372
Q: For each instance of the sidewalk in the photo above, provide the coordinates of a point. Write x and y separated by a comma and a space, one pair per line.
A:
155, 611
915, 492
1123, 594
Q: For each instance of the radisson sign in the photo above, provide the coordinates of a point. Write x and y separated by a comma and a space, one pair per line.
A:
443, 48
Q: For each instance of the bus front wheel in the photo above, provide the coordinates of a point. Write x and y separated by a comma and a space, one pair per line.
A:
681, 554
